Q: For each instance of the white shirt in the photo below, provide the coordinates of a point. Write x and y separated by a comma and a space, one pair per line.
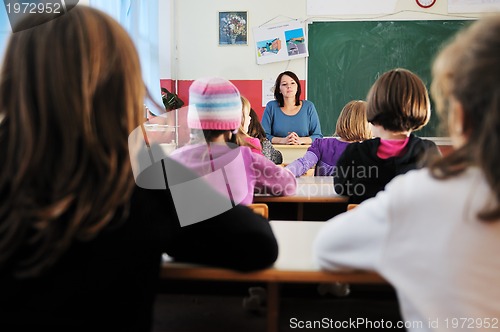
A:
424, 237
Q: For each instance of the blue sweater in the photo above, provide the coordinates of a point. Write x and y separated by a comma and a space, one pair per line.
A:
305, 123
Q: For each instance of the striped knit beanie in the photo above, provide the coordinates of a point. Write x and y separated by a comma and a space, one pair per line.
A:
214, 103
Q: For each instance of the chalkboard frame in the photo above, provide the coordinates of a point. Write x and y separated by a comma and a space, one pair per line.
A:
346, 57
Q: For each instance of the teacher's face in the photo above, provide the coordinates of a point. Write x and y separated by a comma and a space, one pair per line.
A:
288, 87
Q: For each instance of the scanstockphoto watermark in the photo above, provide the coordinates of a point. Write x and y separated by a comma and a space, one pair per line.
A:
353, 323
198, 194
230, 173
25, 14
353, 177
447, 323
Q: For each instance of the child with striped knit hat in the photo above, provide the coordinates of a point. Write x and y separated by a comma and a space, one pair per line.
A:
214, 116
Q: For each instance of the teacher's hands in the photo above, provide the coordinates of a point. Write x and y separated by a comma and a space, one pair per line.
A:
293, 138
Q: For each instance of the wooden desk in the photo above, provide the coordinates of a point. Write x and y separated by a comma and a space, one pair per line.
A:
291, 152
310, 189
294, 265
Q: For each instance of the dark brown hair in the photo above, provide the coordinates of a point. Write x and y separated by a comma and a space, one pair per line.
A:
277, 93
255, 128
352, 125
398, 101
65, 168
467, 71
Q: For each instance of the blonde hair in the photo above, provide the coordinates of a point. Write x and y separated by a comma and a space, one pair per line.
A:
352, 125
241, 135
66, 172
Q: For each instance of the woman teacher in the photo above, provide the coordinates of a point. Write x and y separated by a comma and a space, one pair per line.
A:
287, 119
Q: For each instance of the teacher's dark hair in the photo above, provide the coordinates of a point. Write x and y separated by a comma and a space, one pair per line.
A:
277, 93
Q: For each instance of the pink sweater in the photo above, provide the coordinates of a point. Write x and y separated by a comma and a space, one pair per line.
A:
392, 148
255, 142
236, 172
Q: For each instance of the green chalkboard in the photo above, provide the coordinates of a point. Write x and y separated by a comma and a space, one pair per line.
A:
345, 58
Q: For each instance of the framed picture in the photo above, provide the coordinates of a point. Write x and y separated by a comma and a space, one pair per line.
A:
233, 28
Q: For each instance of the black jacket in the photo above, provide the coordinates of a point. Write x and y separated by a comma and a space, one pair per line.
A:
361, 174
109, 283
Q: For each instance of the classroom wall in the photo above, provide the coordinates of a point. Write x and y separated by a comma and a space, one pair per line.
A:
197, 54
194, 50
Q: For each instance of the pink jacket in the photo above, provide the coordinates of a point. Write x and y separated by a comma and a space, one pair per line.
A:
235, 171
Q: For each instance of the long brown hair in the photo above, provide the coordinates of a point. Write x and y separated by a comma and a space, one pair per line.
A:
468, 71
255, 128
71, 92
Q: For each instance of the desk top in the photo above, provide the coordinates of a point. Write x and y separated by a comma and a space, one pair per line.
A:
291, 152
295, 240
310, 189
294, 264
291, 147
326, 180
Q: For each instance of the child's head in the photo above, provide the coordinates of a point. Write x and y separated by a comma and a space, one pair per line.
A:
214, 106
242, 135
466, 86
64, 138
352, 125
83, 86
398, 101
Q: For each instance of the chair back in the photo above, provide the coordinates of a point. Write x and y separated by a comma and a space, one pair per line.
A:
260, 208
351, 206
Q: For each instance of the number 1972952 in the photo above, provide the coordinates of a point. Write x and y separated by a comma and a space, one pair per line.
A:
33, 8
471, 323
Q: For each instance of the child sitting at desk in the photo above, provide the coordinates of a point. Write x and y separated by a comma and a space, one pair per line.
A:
80, 240
214, 116
255, 129
352, 126
242, 137
433, 233
397, 105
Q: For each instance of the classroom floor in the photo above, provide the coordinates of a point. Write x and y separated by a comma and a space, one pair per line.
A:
212, 307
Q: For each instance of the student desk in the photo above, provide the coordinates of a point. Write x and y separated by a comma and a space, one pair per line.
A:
315, 200
294, 265
291, 152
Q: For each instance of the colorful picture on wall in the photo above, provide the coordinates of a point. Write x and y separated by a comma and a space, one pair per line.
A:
280, 42
233, 27
268, 47
295, 42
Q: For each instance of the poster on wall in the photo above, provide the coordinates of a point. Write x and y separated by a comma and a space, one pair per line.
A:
280, 42
267, 91
473, 6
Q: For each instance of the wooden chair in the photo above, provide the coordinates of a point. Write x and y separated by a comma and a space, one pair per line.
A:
260, 208
351, 206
